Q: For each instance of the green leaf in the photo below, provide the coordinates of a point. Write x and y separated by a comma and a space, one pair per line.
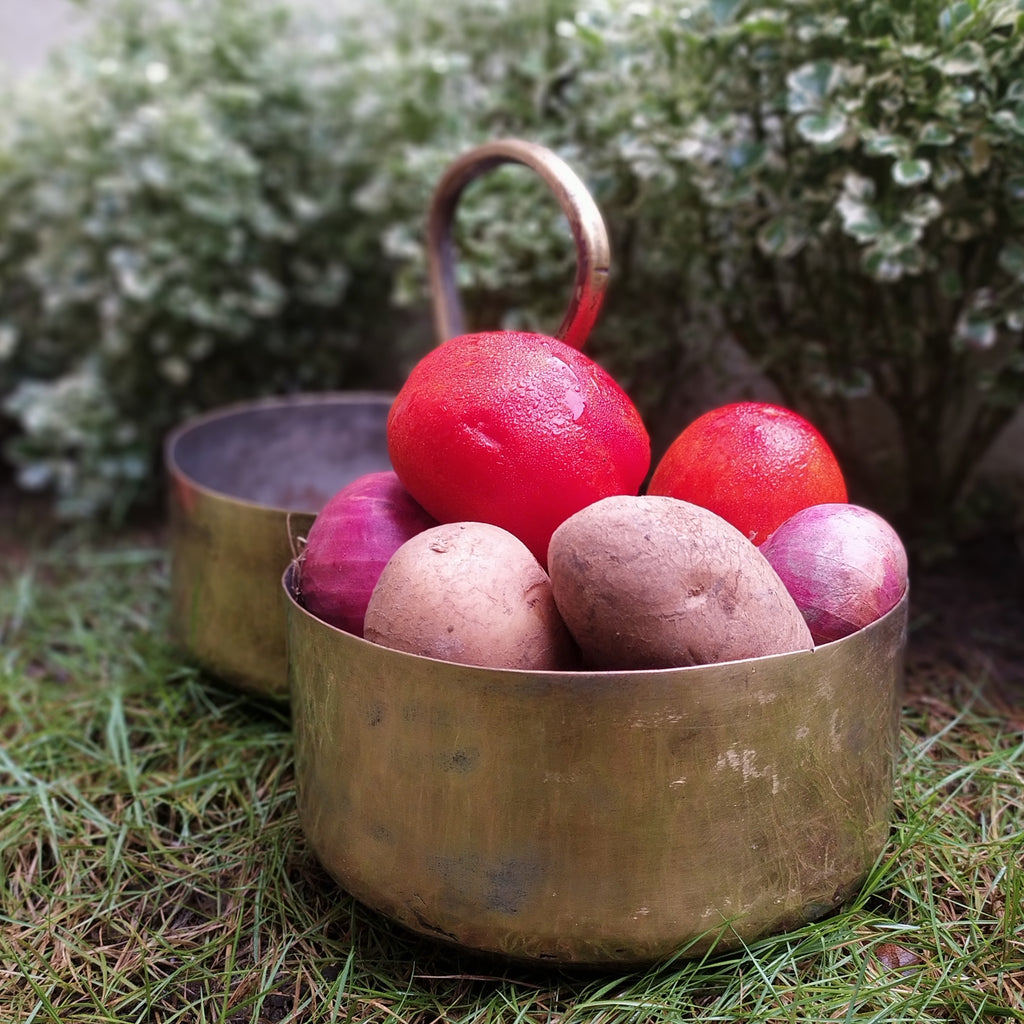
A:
1011, 259
894, 264
965, 95
723, 10
1011, 120
822, 27
882, 266
967, 58
955, 17
855, 383
859, 220
899, 237
911, 172
746, 156
976, 331
811, 84
935, 134
859, 187
946, 172
8, 341
765, 23
822, 130
924, 209
886, 144
781, 237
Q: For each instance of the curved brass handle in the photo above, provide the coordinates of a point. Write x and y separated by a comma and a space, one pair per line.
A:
593, 253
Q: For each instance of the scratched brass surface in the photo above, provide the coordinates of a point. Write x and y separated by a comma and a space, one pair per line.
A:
597, 818
243, 482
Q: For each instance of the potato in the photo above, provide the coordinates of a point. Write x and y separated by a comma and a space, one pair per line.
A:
654, 582
470, 593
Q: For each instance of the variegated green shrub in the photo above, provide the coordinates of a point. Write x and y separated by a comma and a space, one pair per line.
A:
861, 170
178, 230
836, 187
216, 203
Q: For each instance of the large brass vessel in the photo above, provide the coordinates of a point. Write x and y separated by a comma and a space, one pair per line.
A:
596, 818
590, 817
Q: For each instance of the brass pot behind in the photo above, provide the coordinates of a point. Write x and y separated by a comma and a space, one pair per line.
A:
244, 482
596, 818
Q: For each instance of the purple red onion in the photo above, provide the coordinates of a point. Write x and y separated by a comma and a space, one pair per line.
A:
350, 542
844, 565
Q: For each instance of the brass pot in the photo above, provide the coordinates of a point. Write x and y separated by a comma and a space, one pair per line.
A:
595, 818
245, 483
591, 817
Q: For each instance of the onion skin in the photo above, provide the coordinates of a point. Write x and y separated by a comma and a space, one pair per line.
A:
844, 565
349, 544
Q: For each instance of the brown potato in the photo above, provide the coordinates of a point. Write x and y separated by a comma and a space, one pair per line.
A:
656, 582
470, 593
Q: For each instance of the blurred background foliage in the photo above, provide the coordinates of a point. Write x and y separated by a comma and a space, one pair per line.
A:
811, 200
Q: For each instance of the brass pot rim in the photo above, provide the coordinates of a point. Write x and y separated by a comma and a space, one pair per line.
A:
289, 584
281, 403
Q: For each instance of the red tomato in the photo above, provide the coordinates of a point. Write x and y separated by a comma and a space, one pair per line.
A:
514, 429
753, 463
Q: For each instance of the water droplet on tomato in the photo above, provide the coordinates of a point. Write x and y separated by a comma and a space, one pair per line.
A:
576, 404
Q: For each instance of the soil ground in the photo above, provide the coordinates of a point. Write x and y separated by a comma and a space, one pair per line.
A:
967, 615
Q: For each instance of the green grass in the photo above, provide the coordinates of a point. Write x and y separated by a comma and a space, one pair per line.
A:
152, 868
